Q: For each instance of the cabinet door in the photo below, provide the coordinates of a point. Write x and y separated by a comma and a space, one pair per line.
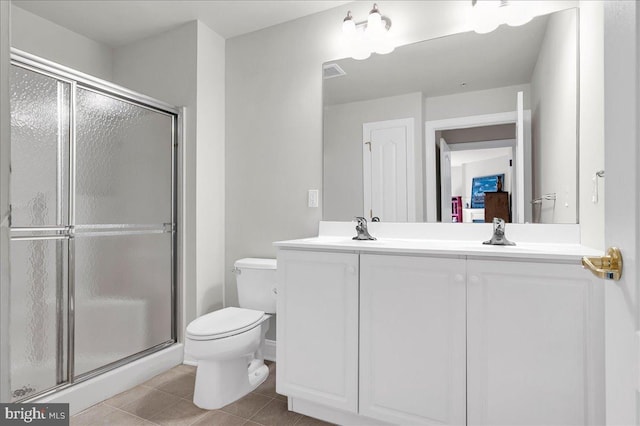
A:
317, 322
412, 339
535, 344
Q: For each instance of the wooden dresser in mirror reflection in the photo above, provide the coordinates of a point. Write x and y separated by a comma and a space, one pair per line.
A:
496, 204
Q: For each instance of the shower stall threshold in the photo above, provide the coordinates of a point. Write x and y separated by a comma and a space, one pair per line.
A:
96, 389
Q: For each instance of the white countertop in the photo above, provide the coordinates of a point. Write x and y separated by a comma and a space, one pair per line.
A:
558, 251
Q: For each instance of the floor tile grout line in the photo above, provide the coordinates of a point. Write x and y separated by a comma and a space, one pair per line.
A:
261, 408
211, 411
188, 398
125, 412
135, 415
176, 403
200, 417
175, 373
163, 408
249, 418
136, 399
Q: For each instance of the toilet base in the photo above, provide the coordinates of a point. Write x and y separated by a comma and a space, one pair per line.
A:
233, 379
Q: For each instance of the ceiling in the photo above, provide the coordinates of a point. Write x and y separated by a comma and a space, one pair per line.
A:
119, 22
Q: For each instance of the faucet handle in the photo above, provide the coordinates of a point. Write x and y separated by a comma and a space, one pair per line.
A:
361, 229
361, 220
498, 238
498, 224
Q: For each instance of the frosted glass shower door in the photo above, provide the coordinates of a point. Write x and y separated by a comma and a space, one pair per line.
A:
123, 224
40, 128
92, 227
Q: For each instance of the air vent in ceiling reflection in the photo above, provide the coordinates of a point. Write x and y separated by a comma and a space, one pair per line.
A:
332, 70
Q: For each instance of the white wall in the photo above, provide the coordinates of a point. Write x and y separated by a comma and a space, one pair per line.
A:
591, 122
191, 76
210, 174
478, 102
5, 155
51, 41
554, 131
343, 188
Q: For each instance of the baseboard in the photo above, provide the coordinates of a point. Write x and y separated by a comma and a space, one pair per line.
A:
270, 350
328, 414
189, 361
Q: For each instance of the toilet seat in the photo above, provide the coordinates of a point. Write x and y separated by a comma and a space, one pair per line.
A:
224, 323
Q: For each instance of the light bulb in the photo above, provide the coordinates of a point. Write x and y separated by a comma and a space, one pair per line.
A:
384, 46
348, 26
360, 53
487, 15
518, 13
374, 22
487, 4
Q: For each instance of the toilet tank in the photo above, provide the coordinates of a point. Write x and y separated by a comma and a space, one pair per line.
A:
256, 279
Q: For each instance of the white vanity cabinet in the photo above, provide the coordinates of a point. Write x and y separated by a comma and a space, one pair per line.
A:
412, 339
399, 334
317, 322
535, 349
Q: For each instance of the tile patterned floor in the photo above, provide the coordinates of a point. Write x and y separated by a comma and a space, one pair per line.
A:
166, 400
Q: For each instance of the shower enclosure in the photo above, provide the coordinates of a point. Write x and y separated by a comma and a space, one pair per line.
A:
92, 226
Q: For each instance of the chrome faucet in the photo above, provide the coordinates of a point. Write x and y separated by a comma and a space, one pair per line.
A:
498, 238
361, 229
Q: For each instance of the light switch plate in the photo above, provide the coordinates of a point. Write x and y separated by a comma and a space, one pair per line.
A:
313, 198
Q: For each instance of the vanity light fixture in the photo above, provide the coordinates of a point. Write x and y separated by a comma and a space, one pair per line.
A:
368, 36
488, 15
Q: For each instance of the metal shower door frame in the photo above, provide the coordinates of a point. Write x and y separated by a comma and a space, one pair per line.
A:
86, 82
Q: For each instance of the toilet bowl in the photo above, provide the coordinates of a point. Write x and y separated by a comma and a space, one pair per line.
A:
228, 344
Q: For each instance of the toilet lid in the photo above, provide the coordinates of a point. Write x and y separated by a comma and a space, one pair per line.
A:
223, 321
256, 263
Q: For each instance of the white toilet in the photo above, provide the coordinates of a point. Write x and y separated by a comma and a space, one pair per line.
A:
228, 343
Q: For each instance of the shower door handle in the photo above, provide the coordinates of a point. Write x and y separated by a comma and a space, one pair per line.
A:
41, 233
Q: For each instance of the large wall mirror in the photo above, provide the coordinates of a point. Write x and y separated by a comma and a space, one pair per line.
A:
456, 128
